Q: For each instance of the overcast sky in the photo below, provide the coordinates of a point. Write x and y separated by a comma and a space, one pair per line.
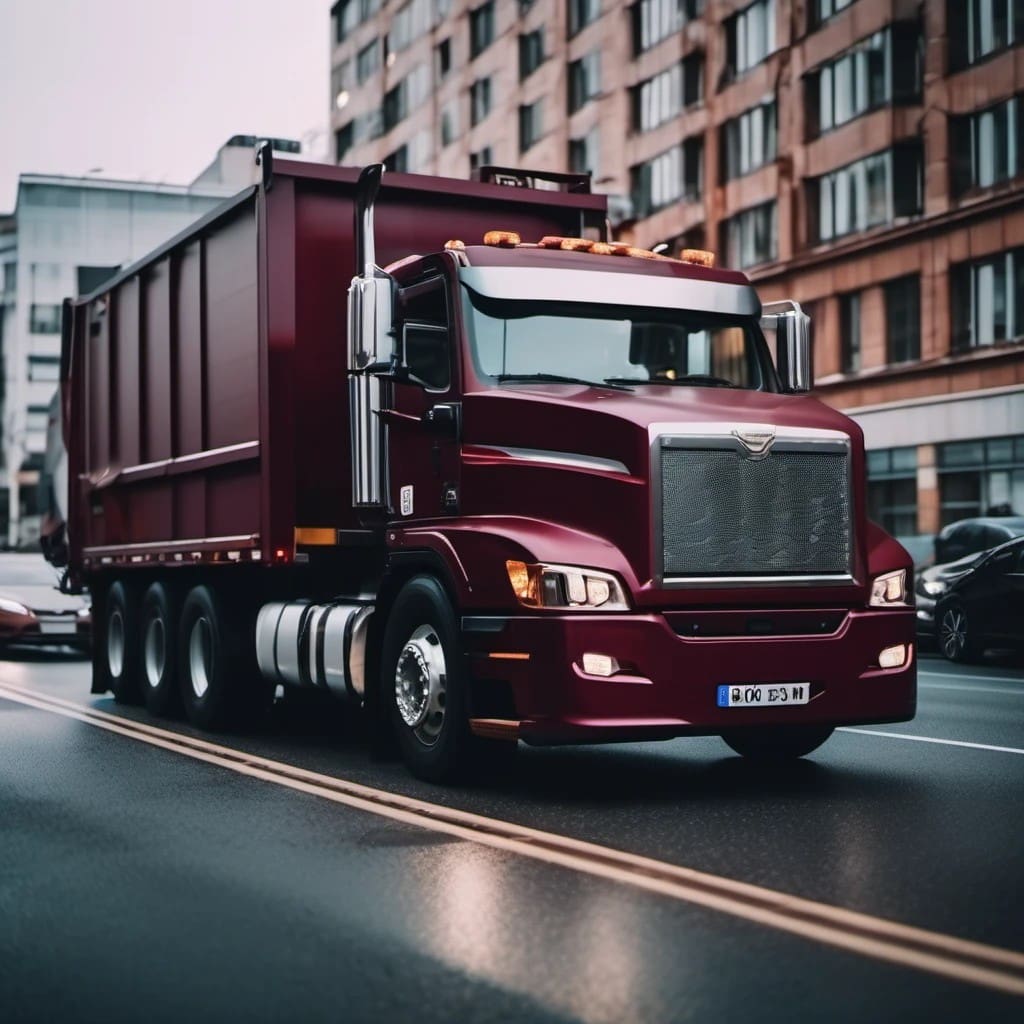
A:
150, 90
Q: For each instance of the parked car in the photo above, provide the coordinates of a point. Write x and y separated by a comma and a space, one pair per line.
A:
984, 606
34, 612
968, 536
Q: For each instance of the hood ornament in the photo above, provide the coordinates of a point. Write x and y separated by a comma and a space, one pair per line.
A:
756, 442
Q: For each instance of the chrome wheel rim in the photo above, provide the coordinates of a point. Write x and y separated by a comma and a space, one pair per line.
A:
954, 633
115, 644
199, 657
155, 651
421, 679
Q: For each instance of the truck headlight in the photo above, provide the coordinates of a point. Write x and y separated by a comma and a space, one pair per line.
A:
538, 585
13, 607
889, 589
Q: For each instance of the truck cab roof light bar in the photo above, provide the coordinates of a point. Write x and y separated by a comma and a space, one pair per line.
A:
512, 240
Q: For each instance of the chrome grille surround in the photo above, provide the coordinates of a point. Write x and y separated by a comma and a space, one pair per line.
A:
724, 515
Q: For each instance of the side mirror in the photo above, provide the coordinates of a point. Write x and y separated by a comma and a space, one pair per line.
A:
793, 351
370, 330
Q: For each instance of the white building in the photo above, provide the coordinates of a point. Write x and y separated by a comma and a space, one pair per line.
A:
66, 236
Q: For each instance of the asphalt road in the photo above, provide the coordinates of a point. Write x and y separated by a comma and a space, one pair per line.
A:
143, 876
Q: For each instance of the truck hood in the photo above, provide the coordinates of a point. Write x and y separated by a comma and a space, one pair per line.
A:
581, 457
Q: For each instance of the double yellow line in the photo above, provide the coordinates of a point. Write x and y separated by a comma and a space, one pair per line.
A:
971, 962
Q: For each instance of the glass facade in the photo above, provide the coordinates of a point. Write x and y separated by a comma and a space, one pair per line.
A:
983, 477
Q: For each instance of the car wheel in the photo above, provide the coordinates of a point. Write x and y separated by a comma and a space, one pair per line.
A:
158, 642
423, 681
769, 743
118, 660
956, 638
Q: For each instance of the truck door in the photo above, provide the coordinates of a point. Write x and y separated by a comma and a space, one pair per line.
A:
425, 422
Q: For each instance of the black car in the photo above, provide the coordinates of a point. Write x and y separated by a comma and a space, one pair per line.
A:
930, 584
967, 536
984, 606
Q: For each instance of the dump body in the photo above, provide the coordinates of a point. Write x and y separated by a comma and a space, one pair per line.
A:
206, 402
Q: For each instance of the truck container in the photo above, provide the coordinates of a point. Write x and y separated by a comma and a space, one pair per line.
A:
549, 488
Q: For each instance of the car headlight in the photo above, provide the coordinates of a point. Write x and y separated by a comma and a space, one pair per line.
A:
565, 586
934, 587
13, 607
889, 589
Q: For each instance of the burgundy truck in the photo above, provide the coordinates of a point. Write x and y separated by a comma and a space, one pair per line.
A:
549, 489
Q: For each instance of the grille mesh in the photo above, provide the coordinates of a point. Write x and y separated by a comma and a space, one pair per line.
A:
724, 514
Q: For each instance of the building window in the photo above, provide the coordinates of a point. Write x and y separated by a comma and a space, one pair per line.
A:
45, 369
44, 319
342, 142
37, 418
367, 61
987, 300
583, 154
584, 80
582, 13
849, 332
481, 29
531, 52
444, 58
398, 161
350, 14
667, 94
450, 122
479, 100
985, 146
654, 20
90, 278
862, 195
410, 22
903, 319
670, 177
405, 97
821, 10
751, 236
531, 125
984, 477
884, 68
749, 37
978, 28
481, 158
749, 141
892, 490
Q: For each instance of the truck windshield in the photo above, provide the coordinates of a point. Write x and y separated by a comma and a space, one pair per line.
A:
517, 340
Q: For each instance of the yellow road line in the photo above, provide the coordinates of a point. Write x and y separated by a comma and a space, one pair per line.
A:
959, 959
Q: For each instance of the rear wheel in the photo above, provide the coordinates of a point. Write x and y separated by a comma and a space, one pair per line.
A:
158, 640
777, 744
118, 655
956, 639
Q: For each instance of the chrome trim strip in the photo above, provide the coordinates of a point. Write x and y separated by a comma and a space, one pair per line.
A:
193, 544
241, 447
560, 458
757, 581
535, 284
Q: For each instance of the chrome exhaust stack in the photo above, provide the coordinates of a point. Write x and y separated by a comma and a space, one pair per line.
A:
371, 351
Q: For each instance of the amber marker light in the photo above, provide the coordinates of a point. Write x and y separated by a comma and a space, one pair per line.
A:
509, 655
701, 257
502, 239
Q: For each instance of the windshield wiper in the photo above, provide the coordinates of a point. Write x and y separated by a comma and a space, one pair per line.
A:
699, 379
557, 378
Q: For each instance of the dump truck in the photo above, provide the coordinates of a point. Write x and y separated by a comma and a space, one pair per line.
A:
447, 451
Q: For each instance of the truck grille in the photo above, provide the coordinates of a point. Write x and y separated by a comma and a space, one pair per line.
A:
725, 514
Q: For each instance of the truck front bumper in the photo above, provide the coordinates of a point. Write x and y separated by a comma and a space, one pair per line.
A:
667, 684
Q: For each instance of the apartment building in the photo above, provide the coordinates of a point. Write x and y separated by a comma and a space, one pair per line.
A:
865, 157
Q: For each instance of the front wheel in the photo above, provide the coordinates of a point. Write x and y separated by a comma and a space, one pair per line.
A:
423, 682
956, 639
772, 743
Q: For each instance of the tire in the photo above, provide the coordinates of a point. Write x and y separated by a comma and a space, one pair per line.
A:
956, 639
117, 645
158, 646
423, 682
777, 743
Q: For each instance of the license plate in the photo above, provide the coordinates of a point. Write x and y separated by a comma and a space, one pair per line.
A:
763, 695
57, 628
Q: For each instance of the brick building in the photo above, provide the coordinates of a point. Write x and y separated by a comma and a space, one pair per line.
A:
862, 156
